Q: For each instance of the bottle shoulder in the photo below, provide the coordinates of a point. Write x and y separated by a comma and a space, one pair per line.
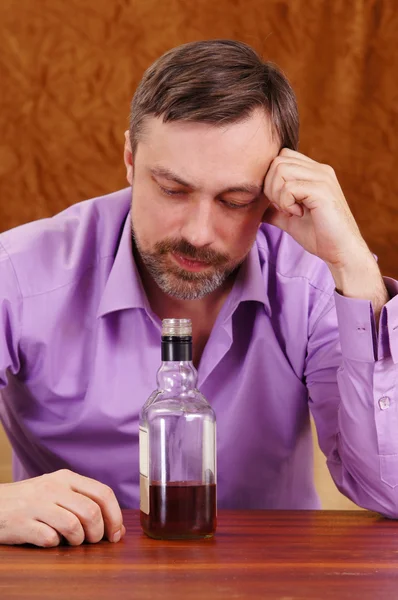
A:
167, 402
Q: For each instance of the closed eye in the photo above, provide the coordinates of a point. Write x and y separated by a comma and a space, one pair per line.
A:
169, 192
180, 193
233, 205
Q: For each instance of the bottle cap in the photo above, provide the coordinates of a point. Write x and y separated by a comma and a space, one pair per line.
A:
176, 327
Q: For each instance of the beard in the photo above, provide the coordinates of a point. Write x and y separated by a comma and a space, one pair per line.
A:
178, 282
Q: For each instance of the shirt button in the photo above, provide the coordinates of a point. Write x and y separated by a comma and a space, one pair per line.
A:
384, 403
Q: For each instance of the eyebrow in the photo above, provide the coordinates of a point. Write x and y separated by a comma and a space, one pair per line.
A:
248, 188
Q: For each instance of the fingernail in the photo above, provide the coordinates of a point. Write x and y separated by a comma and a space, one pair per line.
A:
116, 538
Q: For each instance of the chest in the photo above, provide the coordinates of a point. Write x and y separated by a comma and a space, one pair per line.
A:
200, 337
82, 399
99, 379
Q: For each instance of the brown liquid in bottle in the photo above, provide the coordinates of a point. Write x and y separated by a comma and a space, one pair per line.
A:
180, 510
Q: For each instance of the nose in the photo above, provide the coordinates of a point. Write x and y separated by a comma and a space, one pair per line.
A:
198, 228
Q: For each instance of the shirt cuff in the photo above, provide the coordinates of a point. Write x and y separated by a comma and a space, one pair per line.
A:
356, 328
390, 319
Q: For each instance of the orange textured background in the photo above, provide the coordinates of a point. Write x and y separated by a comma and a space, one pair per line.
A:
68, 69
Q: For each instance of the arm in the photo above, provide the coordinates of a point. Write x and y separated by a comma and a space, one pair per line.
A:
351, 368
42, 509
10, 318
362, 279
351, 382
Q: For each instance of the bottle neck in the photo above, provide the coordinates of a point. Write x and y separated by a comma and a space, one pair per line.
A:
177, 373
176, 349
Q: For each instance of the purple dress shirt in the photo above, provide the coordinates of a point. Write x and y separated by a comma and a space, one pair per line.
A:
80, 347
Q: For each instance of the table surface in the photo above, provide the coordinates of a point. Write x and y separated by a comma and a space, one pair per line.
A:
284, 555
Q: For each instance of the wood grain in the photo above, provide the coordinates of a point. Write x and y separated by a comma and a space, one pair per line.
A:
284, 555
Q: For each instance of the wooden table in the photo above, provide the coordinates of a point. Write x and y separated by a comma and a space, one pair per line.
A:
284, 555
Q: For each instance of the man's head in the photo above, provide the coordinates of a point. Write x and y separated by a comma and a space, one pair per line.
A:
206, 121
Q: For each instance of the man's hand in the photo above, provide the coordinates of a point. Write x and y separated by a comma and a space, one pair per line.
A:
45, 509
307, 202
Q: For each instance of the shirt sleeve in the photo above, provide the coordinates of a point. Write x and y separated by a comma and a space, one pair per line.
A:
351, 374
10, 318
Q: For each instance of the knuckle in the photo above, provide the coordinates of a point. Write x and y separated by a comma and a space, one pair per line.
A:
288, 186
107, 494
64, 472
283, 205
49, 539
329, 170
47, 485
72, 526
279, 163
93, 514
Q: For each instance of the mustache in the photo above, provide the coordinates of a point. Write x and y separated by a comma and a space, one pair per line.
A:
187, 249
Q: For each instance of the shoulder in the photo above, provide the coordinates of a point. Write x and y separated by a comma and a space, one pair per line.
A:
287, 260
49, 253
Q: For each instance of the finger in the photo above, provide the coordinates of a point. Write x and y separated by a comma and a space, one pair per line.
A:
281, 172
63, 521
289, 206
307, 193
293, 209
291, 156
88, 512
288, 153
104, 496
40, 534
276, 217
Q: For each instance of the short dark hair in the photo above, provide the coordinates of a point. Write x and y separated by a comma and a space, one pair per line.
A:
217, 82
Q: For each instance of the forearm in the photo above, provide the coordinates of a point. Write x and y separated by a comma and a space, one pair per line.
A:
367, 442
357, 423
364, 463
362, 279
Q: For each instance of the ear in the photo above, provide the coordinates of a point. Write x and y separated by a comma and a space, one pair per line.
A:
128, 157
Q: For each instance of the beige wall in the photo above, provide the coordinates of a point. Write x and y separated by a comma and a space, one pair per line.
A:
5, 458
329, 494
330, 497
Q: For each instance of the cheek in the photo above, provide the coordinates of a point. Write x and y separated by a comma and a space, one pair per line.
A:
143, 219
151, 219
240, 234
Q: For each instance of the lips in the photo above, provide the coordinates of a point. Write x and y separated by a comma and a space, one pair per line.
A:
188, 263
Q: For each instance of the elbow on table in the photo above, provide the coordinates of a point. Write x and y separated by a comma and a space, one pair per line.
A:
386, 506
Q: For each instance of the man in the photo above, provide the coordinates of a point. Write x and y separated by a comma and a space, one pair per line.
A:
233, 228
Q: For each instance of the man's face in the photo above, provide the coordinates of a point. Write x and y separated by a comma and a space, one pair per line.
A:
198, 199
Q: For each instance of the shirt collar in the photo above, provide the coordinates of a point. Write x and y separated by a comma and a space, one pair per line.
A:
250, 284
124, 289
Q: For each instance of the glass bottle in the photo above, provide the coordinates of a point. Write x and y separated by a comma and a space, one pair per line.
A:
177, 446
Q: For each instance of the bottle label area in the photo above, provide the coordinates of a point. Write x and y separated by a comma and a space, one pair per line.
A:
144, 494
144, 470
144, 452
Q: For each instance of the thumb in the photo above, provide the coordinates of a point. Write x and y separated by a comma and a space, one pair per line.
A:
274, 216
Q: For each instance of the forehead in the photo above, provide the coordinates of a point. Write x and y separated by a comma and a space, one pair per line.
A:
202, 150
